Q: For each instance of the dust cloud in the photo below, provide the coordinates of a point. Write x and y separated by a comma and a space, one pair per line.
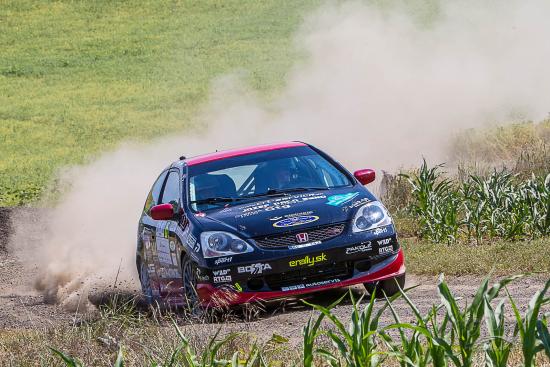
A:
377, 88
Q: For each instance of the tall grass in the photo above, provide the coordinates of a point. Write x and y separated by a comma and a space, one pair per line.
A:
453, 332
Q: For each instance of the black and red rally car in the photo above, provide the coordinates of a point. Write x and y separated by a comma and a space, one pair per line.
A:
262, 223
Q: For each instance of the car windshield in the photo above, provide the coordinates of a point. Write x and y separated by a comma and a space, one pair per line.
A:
236, 179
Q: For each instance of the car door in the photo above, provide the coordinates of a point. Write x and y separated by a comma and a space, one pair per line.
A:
167, 242
147, 233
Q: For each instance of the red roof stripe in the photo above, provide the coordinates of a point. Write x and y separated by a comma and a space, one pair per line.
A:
238, 152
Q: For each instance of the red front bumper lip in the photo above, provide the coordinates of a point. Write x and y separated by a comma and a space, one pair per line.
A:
213, 297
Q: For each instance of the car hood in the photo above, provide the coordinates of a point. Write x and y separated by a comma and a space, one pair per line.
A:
291, 212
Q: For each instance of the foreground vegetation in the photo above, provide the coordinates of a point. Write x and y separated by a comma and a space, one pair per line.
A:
377, 333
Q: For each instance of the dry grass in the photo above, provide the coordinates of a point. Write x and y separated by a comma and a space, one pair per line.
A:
522, 147
502, 257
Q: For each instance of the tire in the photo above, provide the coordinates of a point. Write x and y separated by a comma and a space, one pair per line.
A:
388, 286
189, 281
145, 284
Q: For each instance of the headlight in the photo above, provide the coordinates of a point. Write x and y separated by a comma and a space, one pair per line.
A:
370, 216
216, 244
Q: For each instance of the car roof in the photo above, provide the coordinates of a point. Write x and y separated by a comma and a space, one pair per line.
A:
241, 151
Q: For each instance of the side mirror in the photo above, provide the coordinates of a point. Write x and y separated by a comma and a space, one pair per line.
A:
365, 176
162, 212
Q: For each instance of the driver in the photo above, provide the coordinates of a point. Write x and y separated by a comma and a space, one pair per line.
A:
281, 174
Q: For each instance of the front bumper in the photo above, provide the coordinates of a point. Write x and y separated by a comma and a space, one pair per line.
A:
230, 294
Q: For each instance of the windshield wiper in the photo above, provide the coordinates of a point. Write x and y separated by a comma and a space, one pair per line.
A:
215, 200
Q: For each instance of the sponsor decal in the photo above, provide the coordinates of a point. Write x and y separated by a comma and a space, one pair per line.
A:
221, 272
341, 199
363, 247
356, 204
278, 203
291, 215
385, 241
168, 273
309, 285
159, 230
174, 259
163, 250
385, 250
191, 240
308, 260
182, 233
172, 246
238, 287
249, 214
254, 268
147, 237
295, 221
294, 247
223, 260
380, 230
192, 243
222, 278
166, 231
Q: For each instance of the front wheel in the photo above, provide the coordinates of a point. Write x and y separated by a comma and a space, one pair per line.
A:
145, 283
388, 286
189, 275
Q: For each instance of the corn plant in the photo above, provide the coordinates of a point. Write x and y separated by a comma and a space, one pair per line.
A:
467, 323
68, 360
435, 204
310, 333
527, 324
413, 350
544, 334
358, 345
497, 348
499, 205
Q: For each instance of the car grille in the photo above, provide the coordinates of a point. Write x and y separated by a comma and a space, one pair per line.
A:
341, 270
321, 233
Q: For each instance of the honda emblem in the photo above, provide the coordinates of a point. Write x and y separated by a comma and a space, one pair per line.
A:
302, 237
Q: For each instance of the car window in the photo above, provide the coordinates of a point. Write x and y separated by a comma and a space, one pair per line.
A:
171, 188
154, 194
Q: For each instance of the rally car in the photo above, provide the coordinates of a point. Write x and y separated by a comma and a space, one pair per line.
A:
263, 223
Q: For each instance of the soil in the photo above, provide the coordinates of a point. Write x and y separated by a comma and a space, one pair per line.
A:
22, 307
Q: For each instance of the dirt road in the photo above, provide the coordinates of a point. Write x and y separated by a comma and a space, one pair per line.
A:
22, 307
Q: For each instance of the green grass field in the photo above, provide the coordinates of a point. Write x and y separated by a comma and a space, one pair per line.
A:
78, 77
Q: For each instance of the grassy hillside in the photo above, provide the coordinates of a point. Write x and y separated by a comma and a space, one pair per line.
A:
77, 77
